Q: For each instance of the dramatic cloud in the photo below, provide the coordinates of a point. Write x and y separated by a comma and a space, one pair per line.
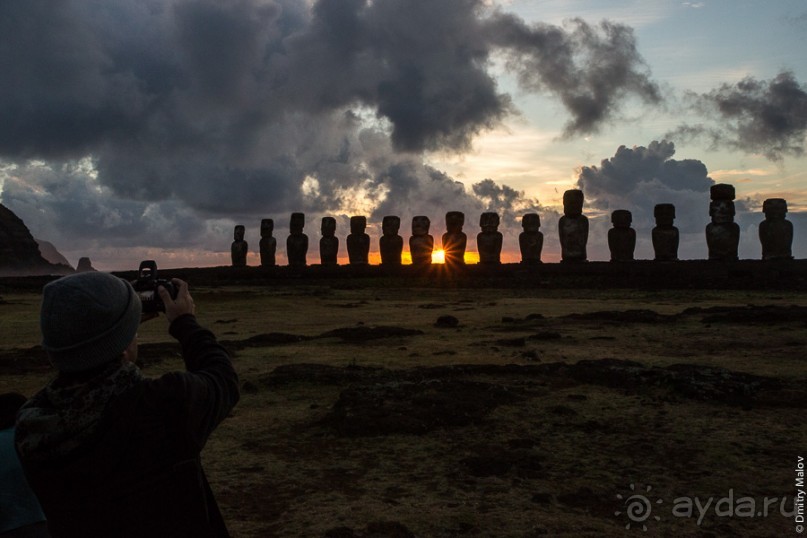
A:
637, 179
202, 110
591, 69
766, 117
65, 203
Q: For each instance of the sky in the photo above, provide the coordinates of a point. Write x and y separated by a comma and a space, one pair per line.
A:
147, 129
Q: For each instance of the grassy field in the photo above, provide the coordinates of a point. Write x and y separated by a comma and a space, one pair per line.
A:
360, 417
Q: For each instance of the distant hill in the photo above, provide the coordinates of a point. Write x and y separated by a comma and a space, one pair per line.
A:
19, 251
50, 253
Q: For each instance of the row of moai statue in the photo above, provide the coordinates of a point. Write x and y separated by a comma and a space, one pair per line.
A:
421, 244
722, 233
722, 236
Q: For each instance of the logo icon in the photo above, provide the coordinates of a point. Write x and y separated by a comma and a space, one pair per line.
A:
638, 507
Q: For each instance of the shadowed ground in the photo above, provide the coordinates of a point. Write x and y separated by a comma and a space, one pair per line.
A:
525, 416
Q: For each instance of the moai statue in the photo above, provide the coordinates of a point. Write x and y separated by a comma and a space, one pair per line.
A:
531, 240
297, 242
665, 235
489, 240
776, 232
329, 243
421, 244
84, 265
391, 244
239, 248
358, 242
722, 234
268, 243
454, 240
621, 238
573, 228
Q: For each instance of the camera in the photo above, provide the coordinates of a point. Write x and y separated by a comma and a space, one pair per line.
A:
146, 287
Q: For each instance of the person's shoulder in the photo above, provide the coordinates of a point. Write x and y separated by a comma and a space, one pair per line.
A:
169, 383
167, 394
176, 386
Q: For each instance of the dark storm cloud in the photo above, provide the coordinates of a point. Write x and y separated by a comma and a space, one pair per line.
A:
590, 68
754, 116
227, 109
630, 168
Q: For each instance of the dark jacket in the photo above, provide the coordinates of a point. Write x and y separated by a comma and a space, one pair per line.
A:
140, 475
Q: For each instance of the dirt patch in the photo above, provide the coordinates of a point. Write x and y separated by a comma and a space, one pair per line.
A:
24, 361
363, 333
545, 335
264, 340
414, 407
624, 316
322, 374
447, 322
432, 306
379, 387
751, 315
501, 461
689, 380
587, 500
377, 529
347, 305
511, 342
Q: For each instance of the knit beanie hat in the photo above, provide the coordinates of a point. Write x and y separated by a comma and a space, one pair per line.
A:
88, 319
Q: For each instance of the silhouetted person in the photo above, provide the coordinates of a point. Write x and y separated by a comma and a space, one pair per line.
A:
775, 232
621, 238
268, 243
297, 242
531, 240
107, 451
573, 228
454, 240
358, 242
391, 244
328, 243
665, 235
239, 247
421, 244
489, 240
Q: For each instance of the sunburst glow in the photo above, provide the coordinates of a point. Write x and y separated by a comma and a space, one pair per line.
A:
439, 256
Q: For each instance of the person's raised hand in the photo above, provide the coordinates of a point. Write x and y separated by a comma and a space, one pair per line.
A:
183, 304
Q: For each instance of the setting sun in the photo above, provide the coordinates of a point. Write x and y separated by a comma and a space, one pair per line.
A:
439, 256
